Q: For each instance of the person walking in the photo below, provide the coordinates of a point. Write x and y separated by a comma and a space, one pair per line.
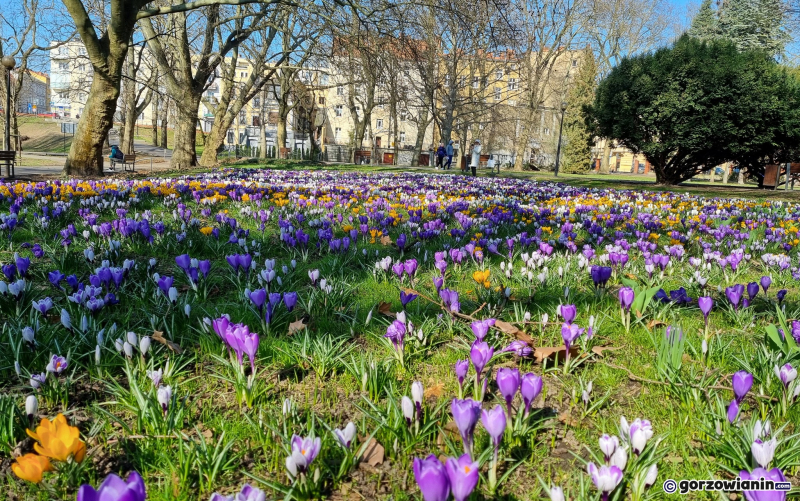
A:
476, 157
440, 154
449, 152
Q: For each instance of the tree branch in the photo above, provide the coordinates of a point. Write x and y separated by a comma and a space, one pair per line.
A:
196, 4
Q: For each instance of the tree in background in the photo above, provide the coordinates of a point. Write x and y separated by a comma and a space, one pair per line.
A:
705, 24
754, 24
698, 104
578, 140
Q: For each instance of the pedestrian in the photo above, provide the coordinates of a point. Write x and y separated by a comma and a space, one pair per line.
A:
476, 157
440, 154
449, 151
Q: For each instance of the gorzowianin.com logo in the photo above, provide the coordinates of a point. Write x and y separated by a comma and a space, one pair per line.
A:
735, 485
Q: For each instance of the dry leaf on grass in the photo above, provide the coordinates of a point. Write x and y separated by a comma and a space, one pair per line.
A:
296, 326
599, 350
513, 331
386, 240
373, 454
552, 353
655, 323
567, 418
435, 390
159, 336
385, 308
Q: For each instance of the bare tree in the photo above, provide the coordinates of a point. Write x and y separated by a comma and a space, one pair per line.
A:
136, 96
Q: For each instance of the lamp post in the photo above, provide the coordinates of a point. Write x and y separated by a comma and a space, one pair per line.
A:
9, 62
560, 130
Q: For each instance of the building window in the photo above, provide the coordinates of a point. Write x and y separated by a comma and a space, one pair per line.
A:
340, 91
512, 84
574, 63
323, 79
63, 66
256, 121
82, 51
379, 123
230, 137
475, 82
462, 82
546, 131
402, 137
337, 134
257, 102
339, 108
403, 116
243, 74
499, 74
321, 101
242, 118
63, 51
497, 92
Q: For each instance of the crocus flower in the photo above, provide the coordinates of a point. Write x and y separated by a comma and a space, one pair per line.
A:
569, 333
410, 267
734, 295
508, 381
461, 369
58, 440
114, 488
763, 451
345, 437
494, 421
396, 332
431, 478
742, 382
639, 433
481, 327
417, 395
766, 281
406, 298
164, 396
568, 312
56, 365
463, 474
756, 475
37, 380
600, 275
466, 414
626, 298
480, 354
258, 297
705, 303
530, 388
786, 374
608, 446
31, 467
733, 411
781, 294
605, 478
752, 290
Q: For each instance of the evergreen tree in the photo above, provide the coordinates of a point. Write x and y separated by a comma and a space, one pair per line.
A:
577, 148
754, 24
704, 25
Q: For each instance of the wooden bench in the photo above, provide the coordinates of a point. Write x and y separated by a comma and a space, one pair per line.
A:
9, 158
127, 160
774, 172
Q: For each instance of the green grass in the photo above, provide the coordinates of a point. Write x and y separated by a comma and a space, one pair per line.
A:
178, 463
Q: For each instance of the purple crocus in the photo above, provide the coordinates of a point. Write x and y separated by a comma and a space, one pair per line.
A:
431, 478
775, 475
605, 478
733, 411
569, 333
184, 262
781, 295
705, 303
626, 295
116, 489
766, 281
494, 421
508, 381
290, 300
480, 354
398, 269
600, 275
23, 263
396, 332
466, 414
786, 374
304, 450
734, 294
461, 369
258, 297
410, 267
463, 474
481, 327
568, 312
58, 363
406, 298
752, 290
742, 382
530, 387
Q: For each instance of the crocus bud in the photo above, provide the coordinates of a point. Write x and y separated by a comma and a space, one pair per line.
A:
31, 407
144, 345
118, 344
65, 320
164, 395
132, 338
187, 310
97, 355
556, 494
407, 407
27, 335
173, 295
417, 393
17, 368
128, 349
652, 475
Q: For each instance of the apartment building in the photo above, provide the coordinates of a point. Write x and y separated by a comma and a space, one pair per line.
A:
34, 97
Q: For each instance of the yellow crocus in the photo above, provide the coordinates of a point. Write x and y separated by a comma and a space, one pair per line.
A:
58, 440
31, 467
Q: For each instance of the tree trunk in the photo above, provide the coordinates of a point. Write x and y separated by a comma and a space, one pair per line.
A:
712, 174
604, 161
184, 153
262, 139
154, 139
281, 136
164, 120
422, 126
86, 153
726, 172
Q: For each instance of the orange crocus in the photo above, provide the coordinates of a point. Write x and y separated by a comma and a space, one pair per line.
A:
58, 440
482, 277
31, 467
206, 230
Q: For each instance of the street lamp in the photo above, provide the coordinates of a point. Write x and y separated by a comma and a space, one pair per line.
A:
560, 130
9, 62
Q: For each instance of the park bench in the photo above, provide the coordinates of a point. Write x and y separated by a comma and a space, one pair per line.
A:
8, 158
127, 160
774, 172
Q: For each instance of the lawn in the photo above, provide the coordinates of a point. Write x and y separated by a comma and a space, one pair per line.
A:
366, 333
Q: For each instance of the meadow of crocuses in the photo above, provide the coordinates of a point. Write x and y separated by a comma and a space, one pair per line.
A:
251, 334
